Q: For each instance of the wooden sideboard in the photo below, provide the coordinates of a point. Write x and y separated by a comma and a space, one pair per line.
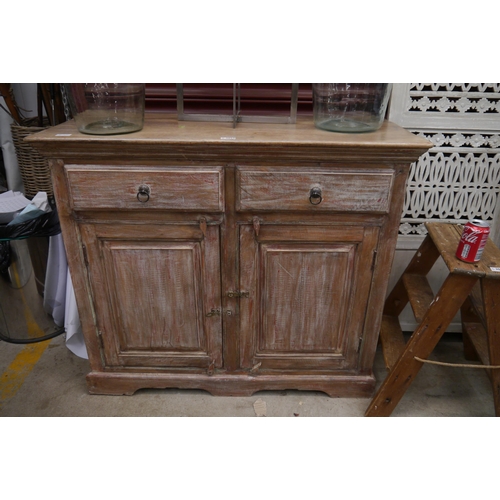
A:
230, 260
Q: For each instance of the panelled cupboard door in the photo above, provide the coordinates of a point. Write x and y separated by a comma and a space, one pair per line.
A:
156, 290
308, 289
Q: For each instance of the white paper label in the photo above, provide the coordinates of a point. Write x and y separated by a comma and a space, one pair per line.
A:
495, 269
63, 135
228, 138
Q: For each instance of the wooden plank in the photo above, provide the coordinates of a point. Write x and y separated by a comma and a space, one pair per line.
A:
491, 298
163, 136
230, 275
450, 297
419, 293
392, 340
336, 385
468, 315
447, 236
476, 301
421, 263
479, 340
490, 260
312, 233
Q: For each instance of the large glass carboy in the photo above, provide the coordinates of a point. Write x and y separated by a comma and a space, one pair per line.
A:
350, 107
107, 108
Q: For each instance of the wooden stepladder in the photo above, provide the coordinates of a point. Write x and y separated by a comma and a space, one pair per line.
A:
474, 289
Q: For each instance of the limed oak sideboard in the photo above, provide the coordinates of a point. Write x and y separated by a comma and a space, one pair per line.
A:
230, 260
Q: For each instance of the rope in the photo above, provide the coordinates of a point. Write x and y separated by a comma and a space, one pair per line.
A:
457, 365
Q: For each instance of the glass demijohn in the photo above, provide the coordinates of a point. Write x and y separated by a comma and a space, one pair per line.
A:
350, 107
107, 108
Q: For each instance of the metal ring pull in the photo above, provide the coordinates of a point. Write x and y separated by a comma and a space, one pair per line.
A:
315, 197
143, 193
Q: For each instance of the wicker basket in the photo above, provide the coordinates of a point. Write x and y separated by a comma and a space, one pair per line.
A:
34, 168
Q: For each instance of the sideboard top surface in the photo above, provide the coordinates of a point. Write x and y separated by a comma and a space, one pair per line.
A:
165, 136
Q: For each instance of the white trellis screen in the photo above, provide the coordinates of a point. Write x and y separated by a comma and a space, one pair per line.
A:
459, 178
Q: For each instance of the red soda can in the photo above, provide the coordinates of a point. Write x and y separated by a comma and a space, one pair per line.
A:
473, 240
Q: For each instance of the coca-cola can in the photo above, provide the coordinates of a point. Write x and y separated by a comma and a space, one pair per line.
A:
473, 240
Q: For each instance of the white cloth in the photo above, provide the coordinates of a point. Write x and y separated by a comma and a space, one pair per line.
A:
74, 334
54, 299
59, 298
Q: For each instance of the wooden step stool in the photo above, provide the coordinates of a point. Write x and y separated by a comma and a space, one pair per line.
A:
472, 288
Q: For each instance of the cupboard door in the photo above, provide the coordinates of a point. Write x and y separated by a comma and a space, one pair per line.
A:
157, 293
308, 289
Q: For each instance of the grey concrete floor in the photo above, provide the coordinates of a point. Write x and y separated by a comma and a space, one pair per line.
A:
56, 387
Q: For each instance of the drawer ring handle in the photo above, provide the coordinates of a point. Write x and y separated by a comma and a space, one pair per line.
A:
143, 193
315, 197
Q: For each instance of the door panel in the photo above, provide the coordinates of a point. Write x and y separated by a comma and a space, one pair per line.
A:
314, 297
166, 277
305, 304
154, 295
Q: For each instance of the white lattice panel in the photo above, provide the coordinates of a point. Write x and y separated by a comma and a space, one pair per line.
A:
453, 106
459, 178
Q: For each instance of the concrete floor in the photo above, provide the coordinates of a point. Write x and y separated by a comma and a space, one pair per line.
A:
56, 387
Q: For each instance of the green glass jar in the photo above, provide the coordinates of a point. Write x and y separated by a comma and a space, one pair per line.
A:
350, 107
107, 108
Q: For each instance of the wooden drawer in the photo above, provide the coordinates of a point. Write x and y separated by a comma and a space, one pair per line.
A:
168, 188
340, 190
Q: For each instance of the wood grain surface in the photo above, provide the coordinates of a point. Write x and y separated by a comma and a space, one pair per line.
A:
171, 188
227, 278
341, 191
